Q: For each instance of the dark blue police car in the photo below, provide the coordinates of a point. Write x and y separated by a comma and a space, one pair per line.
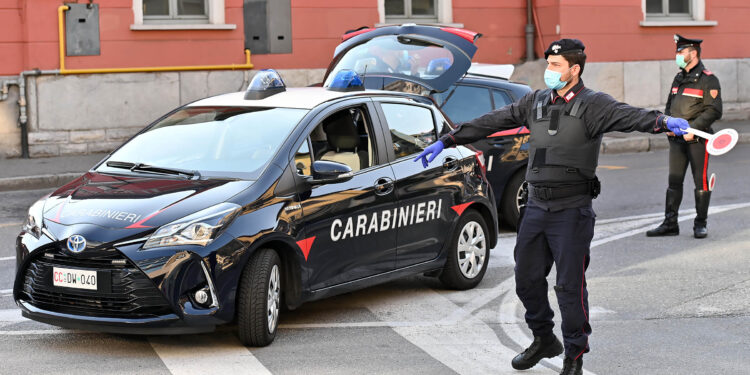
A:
231, 207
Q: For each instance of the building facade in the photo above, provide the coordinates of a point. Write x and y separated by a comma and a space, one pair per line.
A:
123, 63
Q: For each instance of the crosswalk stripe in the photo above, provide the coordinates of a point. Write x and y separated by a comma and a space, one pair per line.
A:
206, 354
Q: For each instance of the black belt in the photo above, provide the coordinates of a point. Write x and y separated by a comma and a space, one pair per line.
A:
547, 193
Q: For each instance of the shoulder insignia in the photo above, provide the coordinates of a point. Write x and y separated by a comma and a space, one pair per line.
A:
714, 93
707, 72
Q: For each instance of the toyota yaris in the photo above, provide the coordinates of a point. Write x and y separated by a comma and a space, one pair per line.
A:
232, 207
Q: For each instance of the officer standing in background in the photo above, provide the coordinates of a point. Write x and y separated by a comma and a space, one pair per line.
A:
696, 96
567, 122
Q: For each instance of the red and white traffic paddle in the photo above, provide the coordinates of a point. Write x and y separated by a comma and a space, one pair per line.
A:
719, 143
712, 182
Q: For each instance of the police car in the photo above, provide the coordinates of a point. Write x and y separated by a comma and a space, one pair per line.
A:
235, 206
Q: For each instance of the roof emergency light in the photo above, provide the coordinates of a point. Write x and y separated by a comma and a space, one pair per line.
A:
266, 82
346, 80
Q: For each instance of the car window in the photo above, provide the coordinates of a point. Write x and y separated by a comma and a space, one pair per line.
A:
303, 160
412, 128
465, 102
216, 141
345, 137
500, 98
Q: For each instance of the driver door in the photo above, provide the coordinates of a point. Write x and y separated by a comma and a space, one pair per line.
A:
348, 220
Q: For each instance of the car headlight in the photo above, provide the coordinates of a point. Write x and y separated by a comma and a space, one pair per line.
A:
199, 228
33, 223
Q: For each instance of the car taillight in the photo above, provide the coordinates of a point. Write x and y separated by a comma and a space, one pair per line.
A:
479, 155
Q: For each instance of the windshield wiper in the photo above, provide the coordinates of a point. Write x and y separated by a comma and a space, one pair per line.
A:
151, 168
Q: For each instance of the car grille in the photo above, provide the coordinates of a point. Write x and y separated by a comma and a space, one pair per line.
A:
132, 295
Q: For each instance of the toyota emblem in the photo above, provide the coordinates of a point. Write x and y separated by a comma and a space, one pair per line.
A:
76, 243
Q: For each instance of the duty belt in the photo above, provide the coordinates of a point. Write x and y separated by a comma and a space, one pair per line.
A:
547, 193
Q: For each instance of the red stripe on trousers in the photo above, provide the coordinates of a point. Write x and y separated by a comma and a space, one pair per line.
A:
705, 167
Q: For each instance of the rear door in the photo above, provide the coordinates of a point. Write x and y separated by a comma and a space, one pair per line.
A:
425, 195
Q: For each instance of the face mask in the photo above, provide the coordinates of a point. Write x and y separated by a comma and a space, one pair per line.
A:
680, 61
552, 80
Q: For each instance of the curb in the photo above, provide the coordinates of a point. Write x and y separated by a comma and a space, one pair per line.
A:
37, 182
644, 144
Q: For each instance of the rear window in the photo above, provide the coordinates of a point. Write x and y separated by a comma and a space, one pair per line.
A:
216, 141
397, 56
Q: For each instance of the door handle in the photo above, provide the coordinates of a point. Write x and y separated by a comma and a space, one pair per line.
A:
450, 163
383, 186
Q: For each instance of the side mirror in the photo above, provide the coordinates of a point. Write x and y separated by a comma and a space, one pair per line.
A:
325, 172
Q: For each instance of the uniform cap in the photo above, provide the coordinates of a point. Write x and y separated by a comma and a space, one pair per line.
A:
683, 42
562, 46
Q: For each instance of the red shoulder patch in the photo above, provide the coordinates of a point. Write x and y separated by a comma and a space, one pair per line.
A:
707, 72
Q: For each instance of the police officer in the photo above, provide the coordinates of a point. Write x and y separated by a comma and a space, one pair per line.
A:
696, 96
567, 122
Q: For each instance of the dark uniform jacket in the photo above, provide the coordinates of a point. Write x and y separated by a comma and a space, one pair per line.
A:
696, 97
602, 114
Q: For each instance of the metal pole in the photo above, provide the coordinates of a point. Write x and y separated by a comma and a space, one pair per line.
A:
529, 31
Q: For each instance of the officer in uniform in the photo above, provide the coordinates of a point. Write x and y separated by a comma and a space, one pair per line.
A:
696, 96
567, 122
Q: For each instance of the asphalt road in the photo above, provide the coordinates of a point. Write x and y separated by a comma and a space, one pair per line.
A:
658, 305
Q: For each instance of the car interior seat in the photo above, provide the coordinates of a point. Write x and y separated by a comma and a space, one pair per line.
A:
343, 140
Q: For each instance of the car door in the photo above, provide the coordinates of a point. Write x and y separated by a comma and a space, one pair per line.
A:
425, 195
347, 235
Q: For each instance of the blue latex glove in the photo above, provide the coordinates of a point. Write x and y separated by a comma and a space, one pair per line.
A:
430, 153
675, 125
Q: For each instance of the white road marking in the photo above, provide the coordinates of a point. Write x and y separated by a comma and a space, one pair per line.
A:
3, 225
206, 354
45, 332
8, 258
450, 333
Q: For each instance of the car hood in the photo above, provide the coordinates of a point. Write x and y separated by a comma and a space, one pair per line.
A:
130, 205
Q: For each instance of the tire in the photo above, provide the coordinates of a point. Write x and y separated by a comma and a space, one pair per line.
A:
259, 299
510, 202
453, 276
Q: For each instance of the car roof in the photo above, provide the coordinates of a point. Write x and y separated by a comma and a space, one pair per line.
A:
503, 71
293, 97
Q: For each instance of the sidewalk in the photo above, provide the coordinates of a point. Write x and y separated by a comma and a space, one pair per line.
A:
25, 174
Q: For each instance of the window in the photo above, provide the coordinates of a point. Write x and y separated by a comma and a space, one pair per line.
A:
303, 160
500, 99
405, 10
345, 137
675, 13
668, 8
412, 128
179, 14
463, 103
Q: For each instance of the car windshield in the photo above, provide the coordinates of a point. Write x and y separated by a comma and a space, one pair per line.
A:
391, 55
235, 142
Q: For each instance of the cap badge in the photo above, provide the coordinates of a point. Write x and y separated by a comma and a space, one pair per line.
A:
676, 38
556, 48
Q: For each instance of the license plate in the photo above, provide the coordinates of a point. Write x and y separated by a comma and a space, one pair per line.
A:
73, 278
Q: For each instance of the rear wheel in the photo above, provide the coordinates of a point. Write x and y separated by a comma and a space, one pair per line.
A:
510, 203
469, 253
259, 299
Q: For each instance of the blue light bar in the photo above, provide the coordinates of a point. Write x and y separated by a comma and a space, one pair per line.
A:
346, 80
266, 82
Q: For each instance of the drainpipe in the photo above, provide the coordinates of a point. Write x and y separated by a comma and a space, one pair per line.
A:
529, 31
23, 119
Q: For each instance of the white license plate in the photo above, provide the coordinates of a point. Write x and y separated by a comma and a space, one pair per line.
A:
73, 278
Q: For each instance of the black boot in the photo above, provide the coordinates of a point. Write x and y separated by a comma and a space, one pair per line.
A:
669, 226
702, 197
572, 366
542, 347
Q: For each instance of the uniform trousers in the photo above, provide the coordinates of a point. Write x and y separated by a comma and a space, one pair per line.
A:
563, 238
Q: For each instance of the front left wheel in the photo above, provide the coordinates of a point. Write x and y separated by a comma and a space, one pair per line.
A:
469, 253
259, 299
